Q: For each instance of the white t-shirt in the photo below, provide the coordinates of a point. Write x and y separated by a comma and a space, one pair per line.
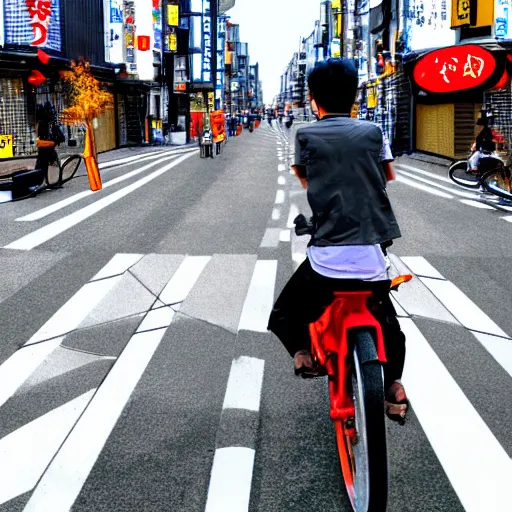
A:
362, 262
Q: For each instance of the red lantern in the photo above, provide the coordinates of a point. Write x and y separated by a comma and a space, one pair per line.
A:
36, 78
143, 43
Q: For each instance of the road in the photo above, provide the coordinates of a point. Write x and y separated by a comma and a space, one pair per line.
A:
136, 372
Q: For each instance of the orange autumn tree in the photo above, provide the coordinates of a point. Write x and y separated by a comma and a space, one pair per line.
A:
87, 102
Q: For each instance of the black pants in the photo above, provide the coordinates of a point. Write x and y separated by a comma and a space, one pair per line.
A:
307, 295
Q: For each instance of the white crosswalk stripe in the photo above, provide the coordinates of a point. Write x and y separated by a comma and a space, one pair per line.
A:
183, 288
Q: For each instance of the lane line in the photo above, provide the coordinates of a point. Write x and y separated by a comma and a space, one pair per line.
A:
26, 452
244, 384
508, 218
281, 167
425, 173
430, 190
18, 368
280, 197
499, 348
294, 212
281, 180
276, 214
118, 265
477, 466
63, 480
285, 235
143, 157
452, 190
271, 237
184, 279
260, 297
46, 233
476, 204
462, 307
231, 478
48, 210
421, 267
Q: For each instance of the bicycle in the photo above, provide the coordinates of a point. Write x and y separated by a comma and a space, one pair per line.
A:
351, 354
493, 175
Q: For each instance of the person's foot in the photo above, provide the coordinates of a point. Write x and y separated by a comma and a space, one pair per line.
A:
397, 403
305, 366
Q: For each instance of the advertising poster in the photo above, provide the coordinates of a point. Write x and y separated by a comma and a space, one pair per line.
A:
114, 49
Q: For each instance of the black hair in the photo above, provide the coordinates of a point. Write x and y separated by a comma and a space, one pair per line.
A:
333, 85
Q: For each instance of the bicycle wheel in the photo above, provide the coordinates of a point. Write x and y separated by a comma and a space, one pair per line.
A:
69, 168
459, 174
364, 459
498, 182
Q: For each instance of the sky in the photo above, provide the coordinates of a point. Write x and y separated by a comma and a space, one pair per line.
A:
273, 29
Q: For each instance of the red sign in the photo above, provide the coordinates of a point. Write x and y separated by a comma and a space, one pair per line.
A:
455, 68
40, 12
143, 43
180, 87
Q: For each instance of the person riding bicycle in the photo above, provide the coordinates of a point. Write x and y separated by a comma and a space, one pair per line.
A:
485, 144
344, 164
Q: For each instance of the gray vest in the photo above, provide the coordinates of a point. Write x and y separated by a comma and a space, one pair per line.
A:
346, 182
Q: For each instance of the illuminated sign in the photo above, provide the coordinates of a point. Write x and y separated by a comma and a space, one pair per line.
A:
207, 42
201, 32
157, 25
143, 27
173, 15
114, 32
32, 23
476, 13
454, 69
180, 87
143, 43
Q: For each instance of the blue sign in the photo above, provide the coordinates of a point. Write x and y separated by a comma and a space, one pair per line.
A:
207, 43
502, 19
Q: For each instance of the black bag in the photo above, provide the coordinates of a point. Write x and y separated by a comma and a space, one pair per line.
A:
57, 135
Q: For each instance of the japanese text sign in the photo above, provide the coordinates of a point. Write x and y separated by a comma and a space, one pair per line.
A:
473, 13
207, 42
455, 68
40, 12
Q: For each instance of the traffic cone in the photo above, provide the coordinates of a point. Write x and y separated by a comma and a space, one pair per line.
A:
91, 165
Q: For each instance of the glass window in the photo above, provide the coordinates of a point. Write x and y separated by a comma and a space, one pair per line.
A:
197, 62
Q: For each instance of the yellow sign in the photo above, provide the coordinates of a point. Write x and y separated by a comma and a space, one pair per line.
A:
173, 42
467, 14
211, 101
371, 97
6, 150
336, 4
173, 15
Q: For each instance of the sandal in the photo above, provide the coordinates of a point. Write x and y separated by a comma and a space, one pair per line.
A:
305, 366
396, 410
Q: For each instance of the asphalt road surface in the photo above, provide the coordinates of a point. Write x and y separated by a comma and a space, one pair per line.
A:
136, 372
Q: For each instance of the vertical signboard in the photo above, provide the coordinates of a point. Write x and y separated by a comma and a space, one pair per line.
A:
114, 32
129, 36
157, 25
33, 23
502, 10
144, 29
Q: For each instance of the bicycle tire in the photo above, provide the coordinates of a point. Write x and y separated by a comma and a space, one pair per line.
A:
73, 161
368, 384
459, 175
490, 182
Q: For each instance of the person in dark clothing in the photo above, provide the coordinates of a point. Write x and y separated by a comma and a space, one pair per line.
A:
484, 145
345, 164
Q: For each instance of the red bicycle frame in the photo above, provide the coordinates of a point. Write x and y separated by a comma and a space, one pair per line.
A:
331, 347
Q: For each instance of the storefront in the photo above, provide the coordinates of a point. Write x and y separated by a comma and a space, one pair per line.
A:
449, 88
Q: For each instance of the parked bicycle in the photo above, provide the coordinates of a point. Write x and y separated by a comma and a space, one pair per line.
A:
353, 361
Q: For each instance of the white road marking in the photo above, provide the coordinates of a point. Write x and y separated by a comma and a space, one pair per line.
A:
244, 384
230, 483
26, 452
48, 210
157, 319
430, 190
285, 235
18, 368
57, 227
476, 204
271, 237
400, 311
499, 348
281, 180
421, 267
452, 190
63, 480
118, 265
260, 297
184, 279
130, 159
280, 197
425, 173
508, 218
281, 167
477, 466
294, 212
462, 308
276, 214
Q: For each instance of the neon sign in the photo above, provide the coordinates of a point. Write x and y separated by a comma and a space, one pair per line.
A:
454, 69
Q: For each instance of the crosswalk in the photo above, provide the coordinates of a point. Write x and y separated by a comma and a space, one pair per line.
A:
95, 352
436, 184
